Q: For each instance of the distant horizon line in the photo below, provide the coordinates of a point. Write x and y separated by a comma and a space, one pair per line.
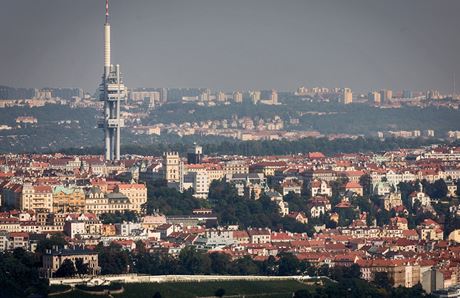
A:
240, 89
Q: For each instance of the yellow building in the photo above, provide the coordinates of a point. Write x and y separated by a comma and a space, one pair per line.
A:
455, 236
68, 199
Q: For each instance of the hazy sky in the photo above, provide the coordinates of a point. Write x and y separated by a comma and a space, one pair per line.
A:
234, 44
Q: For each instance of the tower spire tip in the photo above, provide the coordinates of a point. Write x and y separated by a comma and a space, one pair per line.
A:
106, 11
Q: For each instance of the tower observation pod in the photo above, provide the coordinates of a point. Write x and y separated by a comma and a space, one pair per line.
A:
112, 92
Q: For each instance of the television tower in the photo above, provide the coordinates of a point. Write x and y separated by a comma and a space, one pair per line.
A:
111, 91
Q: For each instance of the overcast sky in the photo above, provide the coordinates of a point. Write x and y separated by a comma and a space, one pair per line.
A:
234, 44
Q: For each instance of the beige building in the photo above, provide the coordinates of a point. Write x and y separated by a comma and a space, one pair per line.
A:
392, 200
136, 193
172, 167
255, 96
237, 97
98, 202
400, 272
455, 236
235, 167
36, 197
374, 97
385, 95
215, 172
52, 260
430, 230
274, 97
221, 97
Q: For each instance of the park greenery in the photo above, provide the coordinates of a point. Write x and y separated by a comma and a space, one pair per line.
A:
273, 147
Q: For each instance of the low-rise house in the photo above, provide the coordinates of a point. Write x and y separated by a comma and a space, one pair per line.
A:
392, 200
318, 205
420, 197
291, 185
18, 240
383, 188
259, 235
354, 187
320, 187
241, 236
299, 216
430, 230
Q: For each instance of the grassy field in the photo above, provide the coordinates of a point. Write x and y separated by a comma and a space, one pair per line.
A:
278, 289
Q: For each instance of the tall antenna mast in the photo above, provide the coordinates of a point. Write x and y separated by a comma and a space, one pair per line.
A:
106, 11
112, 93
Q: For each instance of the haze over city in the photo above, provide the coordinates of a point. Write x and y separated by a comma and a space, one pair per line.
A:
253, 148
227, 45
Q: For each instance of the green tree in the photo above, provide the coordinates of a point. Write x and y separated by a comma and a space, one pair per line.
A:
82, 268
354, 271
19, 274
438, 189
170, 201
220, 263
382, 280
194, 262
113, 260
365, 181
66, 269
288, 264
383, 217
269, 266
244, 266
56, 240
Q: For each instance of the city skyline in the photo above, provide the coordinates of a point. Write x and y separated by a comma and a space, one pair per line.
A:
363, 45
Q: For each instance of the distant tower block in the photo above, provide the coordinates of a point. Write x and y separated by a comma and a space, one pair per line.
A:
195, 154
172, 167
237, 97
274, 97
111, 91
347, 96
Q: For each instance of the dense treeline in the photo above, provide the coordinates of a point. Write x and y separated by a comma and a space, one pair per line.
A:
226, 204
247, 212
170, 201
191, 261
19, 274
347, 280
314, 144
275, 147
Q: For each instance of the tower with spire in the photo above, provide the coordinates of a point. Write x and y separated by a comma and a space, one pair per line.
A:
112, 92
